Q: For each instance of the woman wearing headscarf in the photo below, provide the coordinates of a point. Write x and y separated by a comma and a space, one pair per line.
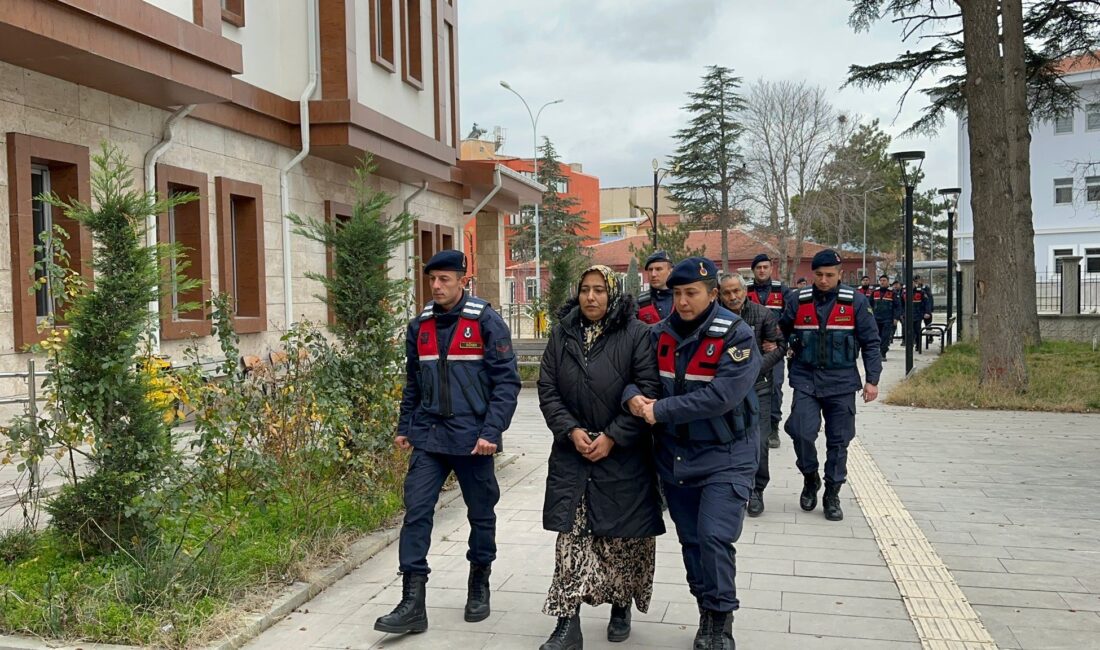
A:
601, 488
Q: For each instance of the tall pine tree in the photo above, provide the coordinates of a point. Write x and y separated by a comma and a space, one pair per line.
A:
560, 222
709, 168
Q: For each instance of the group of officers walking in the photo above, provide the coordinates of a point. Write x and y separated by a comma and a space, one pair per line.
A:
676, 392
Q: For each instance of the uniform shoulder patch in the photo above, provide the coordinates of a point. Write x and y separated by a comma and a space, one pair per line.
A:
644, 299
806, 294
427, 313
739, 354
503, 347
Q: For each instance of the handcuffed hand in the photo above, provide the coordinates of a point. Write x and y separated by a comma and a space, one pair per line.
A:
600, 448
483, 448
768, 346
581, 441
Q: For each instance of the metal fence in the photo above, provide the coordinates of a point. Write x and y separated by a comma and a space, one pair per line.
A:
1048, 292
1088, 295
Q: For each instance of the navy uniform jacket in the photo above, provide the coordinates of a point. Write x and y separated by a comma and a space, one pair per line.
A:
897, 311
707, 407
827, 382
661, 299
925, 306
498, 376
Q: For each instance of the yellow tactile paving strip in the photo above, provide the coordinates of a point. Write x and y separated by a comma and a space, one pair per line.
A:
940, 612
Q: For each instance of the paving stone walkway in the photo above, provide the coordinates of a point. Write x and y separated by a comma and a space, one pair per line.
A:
1004, 499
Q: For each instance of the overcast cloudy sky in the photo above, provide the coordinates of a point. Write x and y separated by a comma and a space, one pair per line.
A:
623, 68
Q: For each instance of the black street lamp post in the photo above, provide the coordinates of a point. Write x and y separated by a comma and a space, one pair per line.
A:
909, 180
951, 195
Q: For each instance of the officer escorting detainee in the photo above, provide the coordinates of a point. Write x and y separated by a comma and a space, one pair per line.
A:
773, 295
656, 304
828, 325
461, 388
707, 444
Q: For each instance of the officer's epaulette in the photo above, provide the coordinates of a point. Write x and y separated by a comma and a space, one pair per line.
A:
474, 308
645, 298
805, 294
428, 311
719, 327
846, 295
777, 284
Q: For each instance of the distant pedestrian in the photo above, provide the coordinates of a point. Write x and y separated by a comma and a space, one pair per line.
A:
802, 283
461, 389
601, 486
765, 326
828, 325
922, 311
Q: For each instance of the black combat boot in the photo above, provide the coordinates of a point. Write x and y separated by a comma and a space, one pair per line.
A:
756, 503
773, 436
566, 635
811, 484
702, 635
721, 632
831, 502
410, 615
477, 593
618, 628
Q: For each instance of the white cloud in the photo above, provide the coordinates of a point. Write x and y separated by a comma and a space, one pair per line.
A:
623, 68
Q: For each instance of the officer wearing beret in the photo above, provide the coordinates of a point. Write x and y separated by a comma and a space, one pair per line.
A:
828, 324
707, 447
886, 302
656, 304
773, 295
460, 393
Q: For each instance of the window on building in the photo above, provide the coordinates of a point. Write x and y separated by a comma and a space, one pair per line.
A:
1092, 260
233, 12
1092, 188
41, 215
1059, 253
1063, 190
241, 259
412, 70
1063, 124
1092, 117
381, 33
38, 165
562, 186
187, 225
529, 288
337, 214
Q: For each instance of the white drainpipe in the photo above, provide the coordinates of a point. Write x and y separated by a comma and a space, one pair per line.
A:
284, 173
151, 158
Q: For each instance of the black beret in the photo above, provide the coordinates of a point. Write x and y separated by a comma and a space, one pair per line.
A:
446, 260
762, 257
657, 256
693, 269
827, 257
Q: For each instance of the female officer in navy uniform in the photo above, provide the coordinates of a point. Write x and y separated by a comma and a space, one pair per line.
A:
707, 448
829, 325
461, 387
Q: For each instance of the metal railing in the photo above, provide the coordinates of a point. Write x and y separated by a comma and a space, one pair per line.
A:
1048, 292
1088, 294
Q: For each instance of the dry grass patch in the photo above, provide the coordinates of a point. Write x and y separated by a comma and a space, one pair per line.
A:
1064, 377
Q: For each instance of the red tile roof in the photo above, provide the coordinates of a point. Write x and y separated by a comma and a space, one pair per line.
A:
1082, 63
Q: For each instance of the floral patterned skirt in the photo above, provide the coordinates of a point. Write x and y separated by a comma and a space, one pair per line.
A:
597, 570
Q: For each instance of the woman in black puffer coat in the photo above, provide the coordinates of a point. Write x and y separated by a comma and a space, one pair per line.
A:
601, 487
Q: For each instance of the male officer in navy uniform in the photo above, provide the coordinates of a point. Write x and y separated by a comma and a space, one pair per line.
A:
829, 325
886, 304
656, 304
865, 286
922, 310
707, 448
772, 294
461, 387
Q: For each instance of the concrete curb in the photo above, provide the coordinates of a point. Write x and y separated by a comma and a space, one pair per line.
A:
296, 595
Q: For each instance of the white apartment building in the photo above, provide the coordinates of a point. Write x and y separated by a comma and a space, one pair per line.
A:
1065, 180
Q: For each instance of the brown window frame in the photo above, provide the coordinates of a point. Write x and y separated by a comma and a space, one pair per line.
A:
412, 44
233, 12
169, 179
335, 212
226, 191
382, 49
69, 166
435, 234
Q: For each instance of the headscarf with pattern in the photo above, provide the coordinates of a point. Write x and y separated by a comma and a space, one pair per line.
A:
593, 329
